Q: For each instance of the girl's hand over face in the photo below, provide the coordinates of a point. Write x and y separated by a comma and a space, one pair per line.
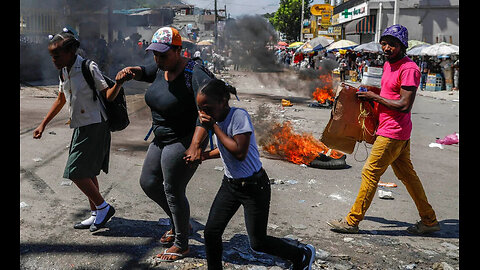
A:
206, 120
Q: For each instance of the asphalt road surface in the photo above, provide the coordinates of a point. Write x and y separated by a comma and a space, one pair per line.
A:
303, 198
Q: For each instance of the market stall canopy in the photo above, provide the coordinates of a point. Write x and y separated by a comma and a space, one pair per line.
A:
319, 43
416, 50
373, 47
414, 43
342, 44
205, 43
295, 44
442, 48
186, 41
305, 48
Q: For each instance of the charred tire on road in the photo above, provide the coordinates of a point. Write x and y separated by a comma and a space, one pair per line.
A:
329, 163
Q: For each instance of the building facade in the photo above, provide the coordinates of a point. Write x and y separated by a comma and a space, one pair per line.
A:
430, 21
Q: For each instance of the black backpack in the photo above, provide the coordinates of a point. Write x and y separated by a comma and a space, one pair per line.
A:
116, 109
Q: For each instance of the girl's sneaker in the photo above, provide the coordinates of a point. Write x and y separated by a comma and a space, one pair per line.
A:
308, 258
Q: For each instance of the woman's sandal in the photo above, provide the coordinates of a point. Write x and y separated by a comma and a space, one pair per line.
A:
167, 238
173, 255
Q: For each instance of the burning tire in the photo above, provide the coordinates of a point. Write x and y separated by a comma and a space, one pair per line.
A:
329, 163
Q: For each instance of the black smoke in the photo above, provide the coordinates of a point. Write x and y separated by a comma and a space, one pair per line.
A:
249, 38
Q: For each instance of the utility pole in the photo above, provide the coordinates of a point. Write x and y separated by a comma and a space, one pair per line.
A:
396, 14
379, 22
396, 11
301, 22
216, 21
109, 22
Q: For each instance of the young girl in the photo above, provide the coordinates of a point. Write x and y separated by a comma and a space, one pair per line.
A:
90, 144
245, 181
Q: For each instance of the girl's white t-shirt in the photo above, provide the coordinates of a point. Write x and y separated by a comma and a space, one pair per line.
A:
238, 122
82, 108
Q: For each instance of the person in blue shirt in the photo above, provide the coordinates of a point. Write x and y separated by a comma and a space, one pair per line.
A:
245, 181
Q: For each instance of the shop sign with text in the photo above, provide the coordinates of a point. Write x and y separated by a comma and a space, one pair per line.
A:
353, 13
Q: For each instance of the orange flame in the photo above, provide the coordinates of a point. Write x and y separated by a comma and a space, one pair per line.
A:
297, 148
324, 92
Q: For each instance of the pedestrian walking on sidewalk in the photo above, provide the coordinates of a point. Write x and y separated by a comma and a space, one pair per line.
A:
245, 181
165, 174
400, 80
90, 145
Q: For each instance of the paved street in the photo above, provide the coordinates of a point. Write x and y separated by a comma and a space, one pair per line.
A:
50, 205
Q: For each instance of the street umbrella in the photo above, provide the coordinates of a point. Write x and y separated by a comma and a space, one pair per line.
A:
205, 43
282, 43
414, 43
442, 48
373, 47
341, 44
319, 43
295, 44
416, 50
306, 47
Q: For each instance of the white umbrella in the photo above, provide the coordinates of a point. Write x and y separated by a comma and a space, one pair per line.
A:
442, 48
372, 46
315, 44
341, 44
320, 42
416, 50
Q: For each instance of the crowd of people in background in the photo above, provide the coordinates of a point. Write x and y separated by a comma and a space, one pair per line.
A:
126, 51
349, 60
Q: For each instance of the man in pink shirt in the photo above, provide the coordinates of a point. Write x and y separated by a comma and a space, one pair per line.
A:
400, 80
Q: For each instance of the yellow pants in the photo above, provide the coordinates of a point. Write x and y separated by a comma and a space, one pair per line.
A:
385, 152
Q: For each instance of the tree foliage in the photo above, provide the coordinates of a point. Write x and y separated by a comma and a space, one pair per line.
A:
287, 18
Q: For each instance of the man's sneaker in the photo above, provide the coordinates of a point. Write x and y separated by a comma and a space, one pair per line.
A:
420, 228
342, 226
308, 258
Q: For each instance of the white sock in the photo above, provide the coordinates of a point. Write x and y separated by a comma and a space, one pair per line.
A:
91, 219
102, 211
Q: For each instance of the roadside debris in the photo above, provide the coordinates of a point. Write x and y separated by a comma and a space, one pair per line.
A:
431, 145
385, 194
449, 139
66, 183
286, 103
383, 184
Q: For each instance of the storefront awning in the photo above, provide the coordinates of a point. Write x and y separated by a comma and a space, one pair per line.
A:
365, 25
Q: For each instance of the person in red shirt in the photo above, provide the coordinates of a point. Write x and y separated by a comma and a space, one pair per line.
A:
186, 53
400, 80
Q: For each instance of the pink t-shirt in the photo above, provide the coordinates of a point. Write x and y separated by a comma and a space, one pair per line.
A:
394, 124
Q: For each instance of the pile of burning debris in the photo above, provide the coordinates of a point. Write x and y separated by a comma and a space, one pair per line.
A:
280, 140
303, 148
324, 94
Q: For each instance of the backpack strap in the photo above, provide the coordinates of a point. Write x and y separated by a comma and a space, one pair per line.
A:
87, 74
60, 75
188, 72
